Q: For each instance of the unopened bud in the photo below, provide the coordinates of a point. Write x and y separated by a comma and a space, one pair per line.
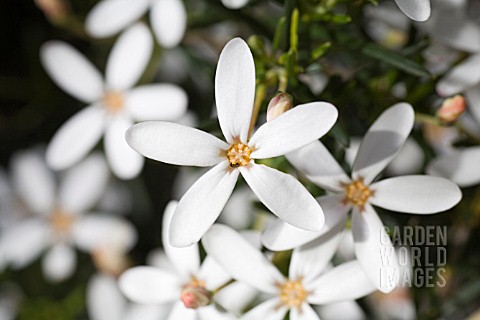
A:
281, 103
451, 109
54, 10
194, 297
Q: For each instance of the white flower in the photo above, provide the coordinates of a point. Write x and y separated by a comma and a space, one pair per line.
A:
281, 193
306, 284
168, 18
418, 10
234, 4
451, 24
410, 194
183, 283
113, 104
59, 221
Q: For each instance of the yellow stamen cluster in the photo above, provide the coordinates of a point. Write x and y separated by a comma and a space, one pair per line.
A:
61, 221
238, 155
292, 293
113, 101
357, 193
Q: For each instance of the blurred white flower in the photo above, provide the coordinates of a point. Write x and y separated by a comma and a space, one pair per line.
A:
281, 193
59, 221
11, 297
410, 194
307, 282
418, 10
234, 4
181, 283
168, 18
386, 25
113, 104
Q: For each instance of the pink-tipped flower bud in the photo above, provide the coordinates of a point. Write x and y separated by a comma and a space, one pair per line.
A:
194, 297
281, 103
451, 109
54, 10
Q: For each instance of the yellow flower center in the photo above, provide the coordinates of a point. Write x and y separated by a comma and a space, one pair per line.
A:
61, 221
238, 155
357, 193
113, 101
292, 293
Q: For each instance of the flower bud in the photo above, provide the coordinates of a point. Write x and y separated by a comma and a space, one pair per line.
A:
451, 109
54, 10
194, 297
281, 103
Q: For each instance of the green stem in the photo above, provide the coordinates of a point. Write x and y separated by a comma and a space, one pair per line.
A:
215, 291
260, 93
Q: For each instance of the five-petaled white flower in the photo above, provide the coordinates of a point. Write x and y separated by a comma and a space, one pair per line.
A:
189, 289
59, 219
168, 18
281, 193
418, 10
113, 104
410, 194
307, 283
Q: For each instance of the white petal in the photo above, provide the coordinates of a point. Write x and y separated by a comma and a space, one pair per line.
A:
347, 281
462, 77
59, 263
76, 138
125, 162
318, 165
345, 310
186, 261
374, 249
24, 242
305, 313
129, 57
84, 184
285, 197
104, 299
235, 90
169, 22
234, 4
108, 17
149, 285
418, 10
473, 100
213, 274
180, 312
346, 248
383, 141
33, 181
146, 312
157, 102
267, 310
309, 260
238, 257
293, 129
416, 194
236, 297
409, 159
176, 144
239, 212
461, 167
95, 230
281, 236
211, 312
71, 71
201, 205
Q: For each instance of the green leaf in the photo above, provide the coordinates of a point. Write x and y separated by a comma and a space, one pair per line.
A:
279, 33
319, 51
395, 59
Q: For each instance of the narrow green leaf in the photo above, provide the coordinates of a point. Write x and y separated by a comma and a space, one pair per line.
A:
320, 50
395, 59
278, 33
